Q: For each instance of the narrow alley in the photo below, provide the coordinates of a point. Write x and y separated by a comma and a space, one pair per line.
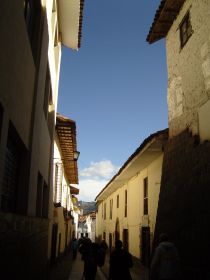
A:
67, 269
105, 138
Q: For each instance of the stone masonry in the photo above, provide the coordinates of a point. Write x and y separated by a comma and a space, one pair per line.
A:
184, 203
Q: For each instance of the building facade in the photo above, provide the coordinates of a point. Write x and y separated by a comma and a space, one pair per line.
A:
127, 205
32, 32
65, 173
87, 226
183, 207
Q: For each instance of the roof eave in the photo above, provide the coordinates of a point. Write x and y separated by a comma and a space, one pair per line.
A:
66, 131
148, 151
70, 15
164, 18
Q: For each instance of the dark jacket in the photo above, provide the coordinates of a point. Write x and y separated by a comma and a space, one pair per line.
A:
120, 262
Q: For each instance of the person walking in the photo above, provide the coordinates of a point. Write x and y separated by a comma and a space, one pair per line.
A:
74, 248
89, 256
120, 263
165, 262
102, 250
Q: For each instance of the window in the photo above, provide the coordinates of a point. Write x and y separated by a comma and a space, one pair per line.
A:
126, 201
58, 182
39, 196
32, 15
185, 30
48, 93
42, 197
146, 196
10, 180
45, 200
118, 201
110, 209
12, 166
54, 8
56, 38
104, 211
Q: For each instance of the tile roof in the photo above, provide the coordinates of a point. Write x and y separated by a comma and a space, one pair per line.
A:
164, 18
80, 22
66, 131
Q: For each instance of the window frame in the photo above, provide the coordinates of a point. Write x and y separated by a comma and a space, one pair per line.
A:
118, 201
126, 204
32, 11
185, 29
145, 196
110, 209
105, 211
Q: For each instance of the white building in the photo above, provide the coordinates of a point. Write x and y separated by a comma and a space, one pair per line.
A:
65, 172
127, 205
87, 226
32, 33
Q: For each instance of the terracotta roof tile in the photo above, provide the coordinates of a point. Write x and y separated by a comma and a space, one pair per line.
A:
164, 18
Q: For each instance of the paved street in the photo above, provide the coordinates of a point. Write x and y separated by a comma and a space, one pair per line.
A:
67, 269
77, 271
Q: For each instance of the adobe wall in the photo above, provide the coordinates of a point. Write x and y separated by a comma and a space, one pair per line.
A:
183, 209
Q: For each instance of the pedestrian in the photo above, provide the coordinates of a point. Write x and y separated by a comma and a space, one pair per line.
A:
104, 245
120, 263
89, 256
165, 262
74, 247
101, 253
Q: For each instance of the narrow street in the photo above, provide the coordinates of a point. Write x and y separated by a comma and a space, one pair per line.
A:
67, 269
77, 271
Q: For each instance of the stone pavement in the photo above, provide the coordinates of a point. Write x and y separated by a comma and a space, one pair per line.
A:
69, 269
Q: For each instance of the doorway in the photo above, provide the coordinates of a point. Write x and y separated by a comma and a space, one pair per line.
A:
110, 243
145, 245
54, 243
125, 239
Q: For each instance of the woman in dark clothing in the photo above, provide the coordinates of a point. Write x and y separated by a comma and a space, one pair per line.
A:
120, 263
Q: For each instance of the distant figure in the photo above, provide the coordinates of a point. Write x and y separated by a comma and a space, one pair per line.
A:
74, 247
165, 262
104, 245
120, 263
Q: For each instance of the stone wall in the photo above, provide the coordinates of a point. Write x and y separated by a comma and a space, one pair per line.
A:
183, 209
188, 68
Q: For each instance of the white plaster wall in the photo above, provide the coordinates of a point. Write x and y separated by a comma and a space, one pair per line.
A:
17, 70
54, 52
64, 200
188, 68
44, 149
61, 228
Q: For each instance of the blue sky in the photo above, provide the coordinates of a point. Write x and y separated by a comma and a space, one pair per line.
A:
114, 87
